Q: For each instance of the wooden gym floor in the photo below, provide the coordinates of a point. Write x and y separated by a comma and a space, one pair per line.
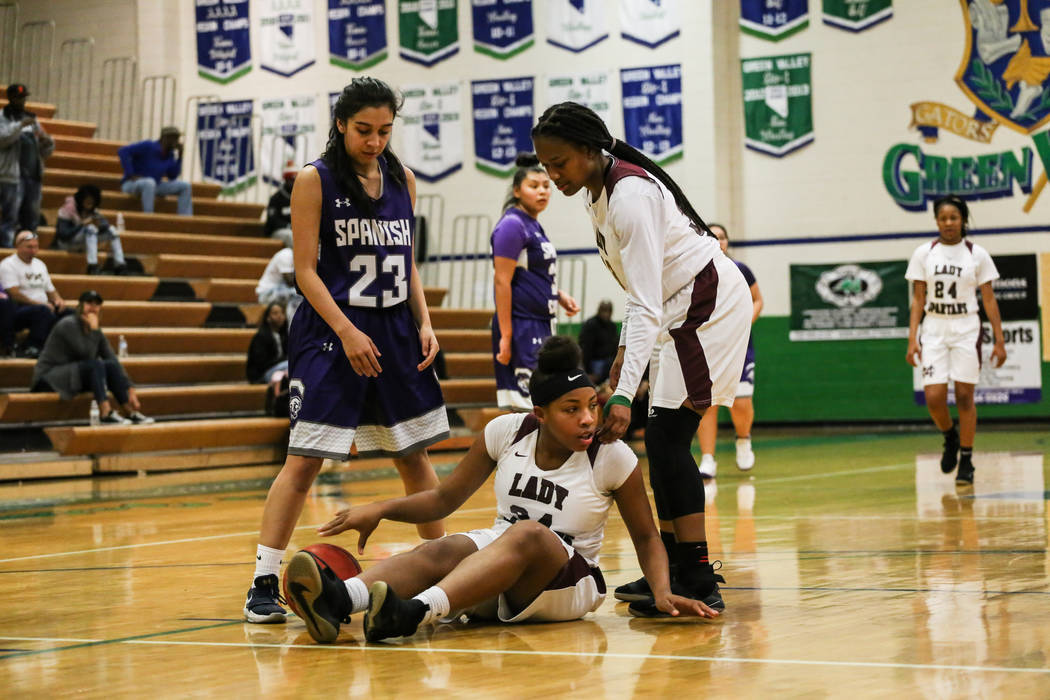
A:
853, 567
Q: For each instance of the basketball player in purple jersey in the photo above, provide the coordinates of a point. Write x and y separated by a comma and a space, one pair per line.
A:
360, 351
526, 292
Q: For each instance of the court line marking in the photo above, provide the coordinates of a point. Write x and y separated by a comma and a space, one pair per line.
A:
119, 640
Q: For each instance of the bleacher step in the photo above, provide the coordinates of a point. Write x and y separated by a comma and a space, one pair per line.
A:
109, 182
16, 466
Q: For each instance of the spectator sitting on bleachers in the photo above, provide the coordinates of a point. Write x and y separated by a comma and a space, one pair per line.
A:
599, 341
7, 326
36, 145
147, 163
77, 357
10, 174
268, 352
80, 226
277, 284
37, 303
279, 210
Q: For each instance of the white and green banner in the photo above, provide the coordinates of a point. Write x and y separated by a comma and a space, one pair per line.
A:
778, 103
289, 132
849, 301
592, 89
286, 36
856, 15
428, 30
432, 135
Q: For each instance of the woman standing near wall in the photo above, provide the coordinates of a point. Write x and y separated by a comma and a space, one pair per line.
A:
946, 274
526, 291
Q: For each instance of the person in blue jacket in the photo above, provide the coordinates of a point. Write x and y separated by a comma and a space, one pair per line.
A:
152, 168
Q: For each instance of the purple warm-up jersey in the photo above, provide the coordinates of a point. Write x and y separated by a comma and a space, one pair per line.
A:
534, 293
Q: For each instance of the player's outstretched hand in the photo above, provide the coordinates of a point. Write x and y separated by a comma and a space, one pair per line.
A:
364, 519
677, 605
429, 342
362, 353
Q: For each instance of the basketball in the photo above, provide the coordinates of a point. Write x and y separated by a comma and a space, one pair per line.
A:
341, 562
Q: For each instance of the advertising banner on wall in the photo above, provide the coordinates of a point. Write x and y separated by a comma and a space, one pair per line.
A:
224, 49
652, 110
502, 28
289, 132
1019, 380
856, 15
224, 134
286, 36
576, 25
778, 103
849, 301
432, 135
649, 22
356, 33
503, 117
428, 30
592, 90
773, 19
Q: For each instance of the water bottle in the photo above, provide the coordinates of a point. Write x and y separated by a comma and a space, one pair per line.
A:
122, 348
120, 222
94, 417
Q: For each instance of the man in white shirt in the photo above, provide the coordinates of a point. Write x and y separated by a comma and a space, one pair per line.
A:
25, 279
277, 284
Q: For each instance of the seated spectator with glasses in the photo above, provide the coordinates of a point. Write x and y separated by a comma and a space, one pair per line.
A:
25, 279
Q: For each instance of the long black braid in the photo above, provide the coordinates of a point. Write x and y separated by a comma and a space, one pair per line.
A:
575, 123
360, 93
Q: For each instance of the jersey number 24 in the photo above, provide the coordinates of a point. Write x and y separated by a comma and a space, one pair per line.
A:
366, 264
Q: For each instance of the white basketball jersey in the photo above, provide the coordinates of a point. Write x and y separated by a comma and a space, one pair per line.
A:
572, 500
952, 274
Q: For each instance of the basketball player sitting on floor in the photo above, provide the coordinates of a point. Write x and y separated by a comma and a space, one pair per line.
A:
554, 485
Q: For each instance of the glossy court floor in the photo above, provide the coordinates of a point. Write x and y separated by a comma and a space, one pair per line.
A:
854, 568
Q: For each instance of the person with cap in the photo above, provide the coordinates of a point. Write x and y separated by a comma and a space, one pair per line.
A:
35, 145
277, 284
80, 226
77, 357
25, 279
10, 170
147, 164
279, 209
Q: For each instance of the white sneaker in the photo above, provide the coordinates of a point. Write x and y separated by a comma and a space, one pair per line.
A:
745, 456
708, 466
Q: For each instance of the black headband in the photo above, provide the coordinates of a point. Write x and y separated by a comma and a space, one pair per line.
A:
558, 384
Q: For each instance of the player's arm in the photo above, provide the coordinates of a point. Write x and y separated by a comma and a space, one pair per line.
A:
991, 309
417, 300
918, 305
756, 302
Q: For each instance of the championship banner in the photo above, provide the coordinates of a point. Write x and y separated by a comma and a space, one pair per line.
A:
224, 134
849, 301
575, 25
1020, 379
502, 28
356, 33
428, 30
652, 111
856, 15
503, 117
778, 103
286, 36
432, 135
649, 22
589, 89
224, 50
289, 131
773, 19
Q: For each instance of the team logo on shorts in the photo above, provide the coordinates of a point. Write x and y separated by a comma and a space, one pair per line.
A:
296, 389
849, 285
523, 376
927, 370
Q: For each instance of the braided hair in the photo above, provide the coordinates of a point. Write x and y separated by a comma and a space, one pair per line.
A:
957, 202
575, 123
361, 93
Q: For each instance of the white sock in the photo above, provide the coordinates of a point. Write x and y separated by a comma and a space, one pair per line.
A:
267, 561
358, 594
437, 604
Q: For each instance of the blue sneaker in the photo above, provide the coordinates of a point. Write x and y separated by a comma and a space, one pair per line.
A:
263, 605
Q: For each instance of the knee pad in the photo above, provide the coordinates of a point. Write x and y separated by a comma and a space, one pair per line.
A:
677, 486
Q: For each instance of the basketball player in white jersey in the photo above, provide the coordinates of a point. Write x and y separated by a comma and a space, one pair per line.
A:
555, 484
946, 274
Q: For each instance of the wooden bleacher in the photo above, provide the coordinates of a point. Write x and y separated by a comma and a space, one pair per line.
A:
188, 321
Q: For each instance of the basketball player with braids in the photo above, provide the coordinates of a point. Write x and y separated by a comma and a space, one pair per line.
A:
945, 275
524, 285
555, 484
364, 340
688, 315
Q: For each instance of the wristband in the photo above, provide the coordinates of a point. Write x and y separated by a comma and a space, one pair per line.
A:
616, 400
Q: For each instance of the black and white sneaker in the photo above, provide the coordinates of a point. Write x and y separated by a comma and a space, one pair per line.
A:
137, 418
634, 591
964, 476
319, 595
113, 418
950, 456
390, 616
263, 605
707, 592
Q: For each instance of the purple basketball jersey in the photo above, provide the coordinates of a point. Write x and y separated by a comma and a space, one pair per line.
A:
534, 292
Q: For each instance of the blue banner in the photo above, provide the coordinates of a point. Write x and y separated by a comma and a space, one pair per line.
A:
503, 116
224, 135
652, 110
224, 50
773, 19
356, 33
502, 28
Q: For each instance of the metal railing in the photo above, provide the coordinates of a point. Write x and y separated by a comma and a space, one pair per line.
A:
116, 115
156, 104
572, 277
8, 28
191, 166
34, 58
75, 78
461, 263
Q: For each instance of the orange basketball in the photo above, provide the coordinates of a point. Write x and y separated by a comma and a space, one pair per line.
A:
335, 558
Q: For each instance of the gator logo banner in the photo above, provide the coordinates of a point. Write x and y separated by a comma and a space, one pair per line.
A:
503, 118
773, 19
289, 132
649, 22
356, 33
592, 90
502, 28
849, 301
224, 50
224, 134
778, 103
652, 111
428, 29
856, 15
286, 36
576, 25
432, 135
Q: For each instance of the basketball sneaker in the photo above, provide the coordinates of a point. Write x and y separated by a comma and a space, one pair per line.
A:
634, 591
950, 456
390, 616
708, 466
319, 595
704, 588
263, 605
745, 456
965, 474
